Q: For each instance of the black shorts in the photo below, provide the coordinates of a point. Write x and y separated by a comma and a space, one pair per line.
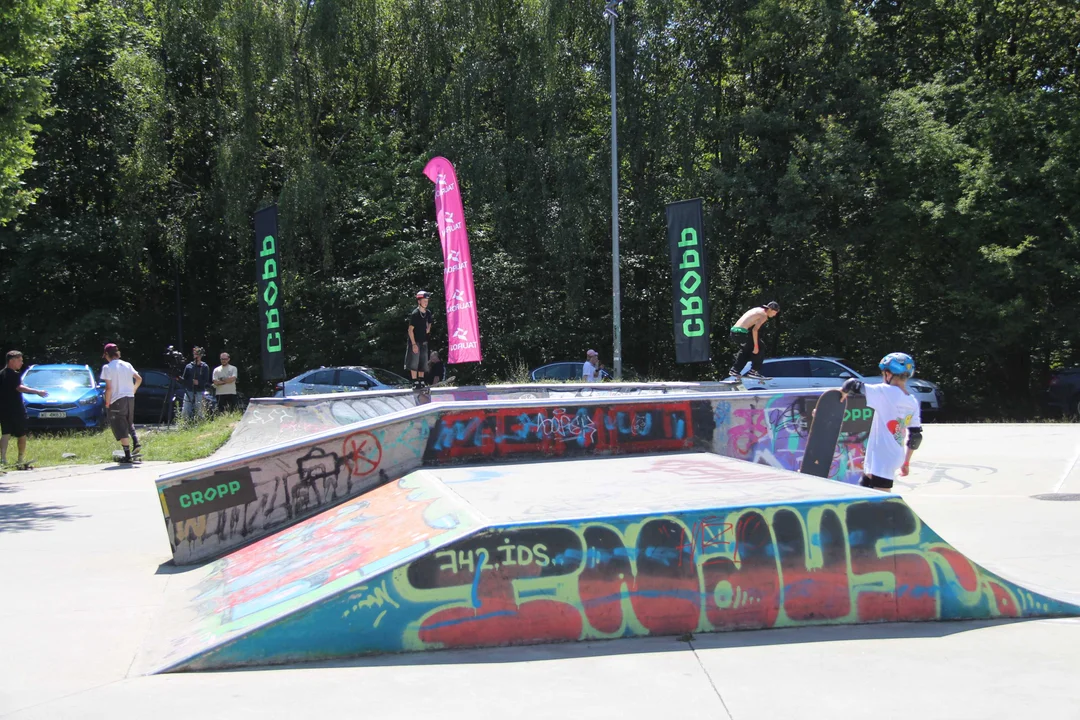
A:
13, 423
876, 482
417, 361
122, 417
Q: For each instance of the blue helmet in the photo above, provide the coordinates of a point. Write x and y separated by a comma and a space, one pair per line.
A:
898, 364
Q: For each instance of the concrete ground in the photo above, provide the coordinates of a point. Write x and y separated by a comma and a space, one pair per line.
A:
81, 562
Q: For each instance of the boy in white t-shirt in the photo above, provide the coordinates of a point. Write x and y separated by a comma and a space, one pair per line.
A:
896, 415
121, 382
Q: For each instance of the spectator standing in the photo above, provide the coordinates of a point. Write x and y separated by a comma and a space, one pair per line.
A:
12, 409
196, 379
436, 372
225, 382
589, 369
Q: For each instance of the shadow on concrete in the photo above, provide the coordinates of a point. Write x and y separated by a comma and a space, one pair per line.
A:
18, 517
171, 568
7, 488
631, 646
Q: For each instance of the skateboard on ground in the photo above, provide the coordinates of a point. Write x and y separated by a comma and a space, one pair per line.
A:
824, 434
118, 457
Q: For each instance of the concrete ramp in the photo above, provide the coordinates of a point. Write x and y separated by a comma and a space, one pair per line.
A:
218, 506
581, 550
274, 420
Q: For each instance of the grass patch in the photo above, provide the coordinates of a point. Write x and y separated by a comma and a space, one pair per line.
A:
179, 443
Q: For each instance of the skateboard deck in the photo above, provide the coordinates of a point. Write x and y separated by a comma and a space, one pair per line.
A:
735, 382
118, 457
25, 465
824, 434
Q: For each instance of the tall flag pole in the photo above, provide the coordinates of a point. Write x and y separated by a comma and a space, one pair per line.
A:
271, 300
462, 321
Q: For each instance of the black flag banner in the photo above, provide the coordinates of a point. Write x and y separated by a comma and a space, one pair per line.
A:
689, 282
270, 298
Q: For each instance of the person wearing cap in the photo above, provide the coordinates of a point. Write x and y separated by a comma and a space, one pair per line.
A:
121, 384
589, 369
744, 334
420, 322
135, 446
12, 408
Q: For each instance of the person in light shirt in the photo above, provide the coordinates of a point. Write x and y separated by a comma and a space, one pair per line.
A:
590, 368
121, 384
224, 379
896, 417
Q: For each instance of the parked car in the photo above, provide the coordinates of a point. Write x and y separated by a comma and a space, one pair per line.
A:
571, 372
1063, 392
826, 372
76, 398
348, 378
155, 399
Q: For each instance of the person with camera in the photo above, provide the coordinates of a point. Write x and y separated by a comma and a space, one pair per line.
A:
196, 380
225, 384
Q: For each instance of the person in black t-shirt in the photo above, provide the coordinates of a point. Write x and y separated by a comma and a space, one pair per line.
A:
436, 373
419, 328
12, 410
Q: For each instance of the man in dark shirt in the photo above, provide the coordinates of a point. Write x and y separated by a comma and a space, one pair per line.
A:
12, 410
419, 328
196, 380
436, 373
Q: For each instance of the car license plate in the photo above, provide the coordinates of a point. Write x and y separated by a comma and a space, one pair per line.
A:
52, 415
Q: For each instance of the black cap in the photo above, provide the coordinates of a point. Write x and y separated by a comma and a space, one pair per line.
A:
774, 306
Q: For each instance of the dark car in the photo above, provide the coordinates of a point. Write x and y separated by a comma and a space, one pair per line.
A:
155, 399
76, 399
348, 378
571, 372
1063, 392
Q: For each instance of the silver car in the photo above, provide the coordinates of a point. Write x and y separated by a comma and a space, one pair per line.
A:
789, 373
348, 378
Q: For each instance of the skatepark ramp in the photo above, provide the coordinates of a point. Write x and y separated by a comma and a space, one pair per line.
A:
216, 507
602, 548
275, 420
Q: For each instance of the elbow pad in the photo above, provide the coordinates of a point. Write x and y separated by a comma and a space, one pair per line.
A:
852, 386
914, 437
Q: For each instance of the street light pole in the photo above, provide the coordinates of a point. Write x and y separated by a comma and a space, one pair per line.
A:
611, 14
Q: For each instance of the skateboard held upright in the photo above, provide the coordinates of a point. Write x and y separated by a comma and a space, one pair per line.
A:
824, 434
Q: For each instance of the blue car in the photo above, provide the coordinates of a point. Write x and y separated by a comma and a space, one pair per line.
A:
76, 399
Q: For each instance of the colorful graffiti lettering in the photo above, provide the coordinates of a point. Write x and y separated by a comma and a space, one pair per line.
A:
853, 562
561, 431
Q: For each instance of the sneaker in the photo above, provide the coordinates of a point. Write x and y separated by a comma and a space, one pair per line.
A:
733, 373
755, 374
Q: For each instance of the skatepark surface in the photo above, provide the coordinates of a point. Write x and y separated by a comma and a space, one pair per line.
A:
83, 555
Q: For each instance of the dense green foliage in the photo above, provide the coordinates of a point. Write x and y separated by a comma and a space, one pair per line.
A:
899, 175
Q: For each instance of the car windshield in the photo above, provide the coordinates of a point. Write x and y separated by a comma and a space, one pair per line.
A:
68, 379
386, 377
